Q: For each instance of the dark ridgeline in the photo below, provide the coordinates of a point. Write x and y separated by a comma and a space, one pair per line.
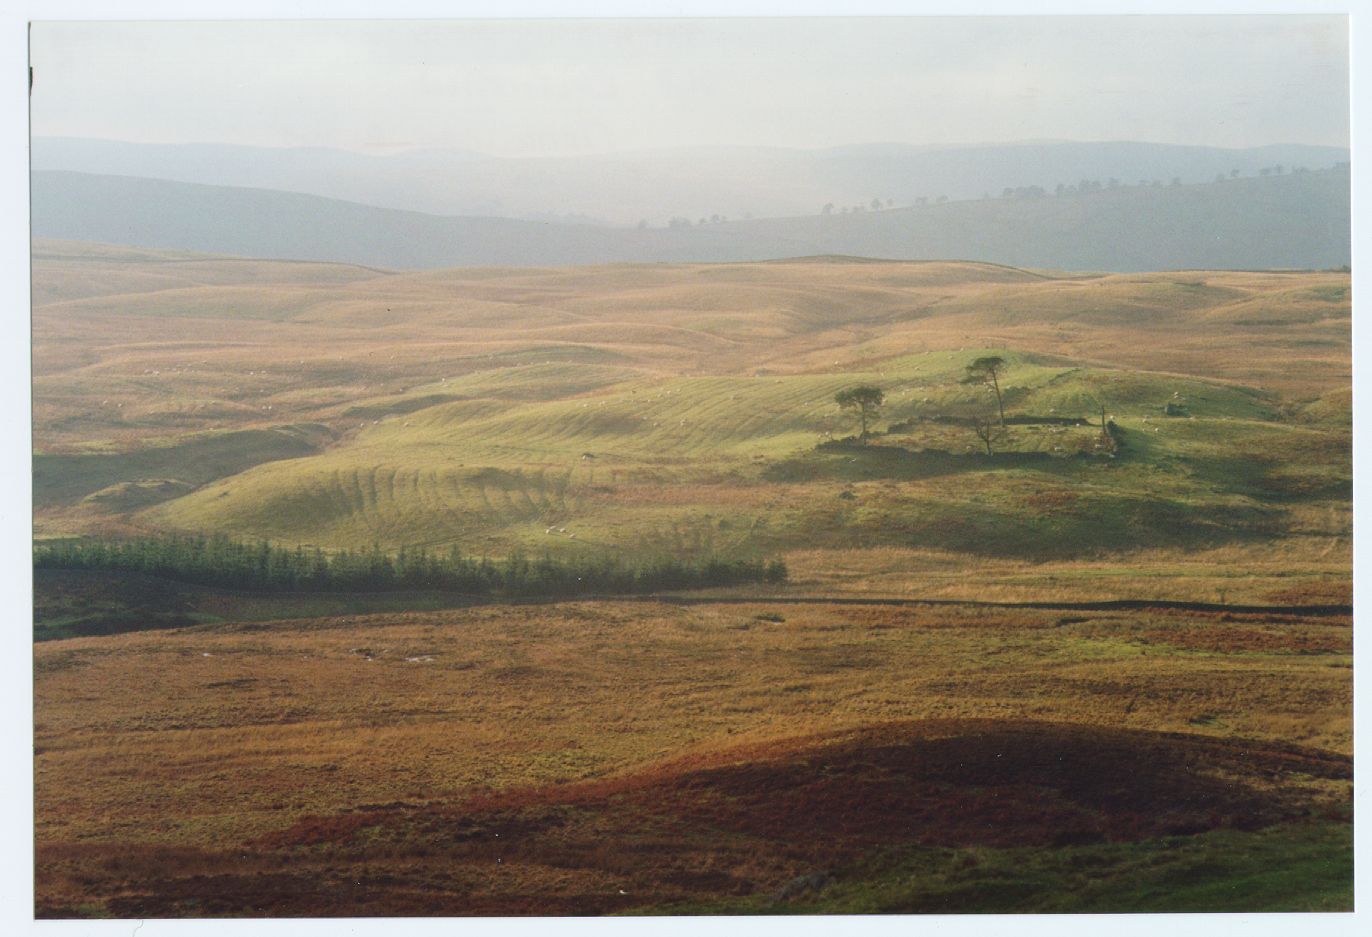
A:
1293, 221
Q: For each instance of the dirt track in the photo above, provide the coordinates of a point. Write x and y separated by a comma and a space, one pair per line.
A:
1116, 605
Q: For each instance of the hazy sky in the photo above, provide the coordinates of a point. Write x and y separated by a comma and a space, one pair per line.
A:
563, 87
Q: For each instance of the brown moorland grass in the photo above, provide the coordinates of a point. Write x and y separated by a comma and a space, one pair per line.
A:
590, 757
738, 822
158, 754
302, 339
1291, 571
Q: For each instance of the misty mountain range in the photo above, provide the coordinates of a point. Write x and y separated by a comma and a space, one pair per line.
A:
654, 186
1122, 207
1299, 220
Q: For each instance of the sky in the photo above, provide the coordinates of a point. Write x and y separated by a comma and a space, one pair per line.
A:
527, 88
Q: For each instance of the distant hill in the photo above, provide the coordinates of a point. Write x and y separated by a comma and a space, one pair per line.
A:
1289, 221
655, 185
1292, 220
287, 225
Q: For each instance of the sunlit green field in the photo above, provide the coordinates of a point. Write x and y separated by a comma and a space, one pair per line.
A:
526, 456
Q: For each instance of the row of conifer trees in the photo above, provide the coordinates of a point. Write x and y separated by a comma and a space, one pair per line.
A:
226, 563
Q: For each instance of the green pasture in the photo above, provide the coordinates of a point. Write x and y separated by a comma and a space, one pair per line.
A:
568, 456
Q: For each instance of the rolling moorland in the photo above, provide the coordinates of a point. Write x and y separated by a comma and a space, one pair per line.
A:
1098, 668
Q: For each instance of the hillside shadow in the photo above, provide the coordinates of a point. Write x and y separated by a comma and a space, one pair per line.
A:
755, 819
850, 461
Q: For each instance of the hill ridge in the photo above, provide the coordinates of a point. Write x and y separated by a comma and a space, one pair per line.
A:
1219, 225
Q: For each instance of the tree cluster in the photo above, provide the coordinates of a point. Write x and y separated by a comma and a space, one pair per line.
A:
1024, 191
261, 567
